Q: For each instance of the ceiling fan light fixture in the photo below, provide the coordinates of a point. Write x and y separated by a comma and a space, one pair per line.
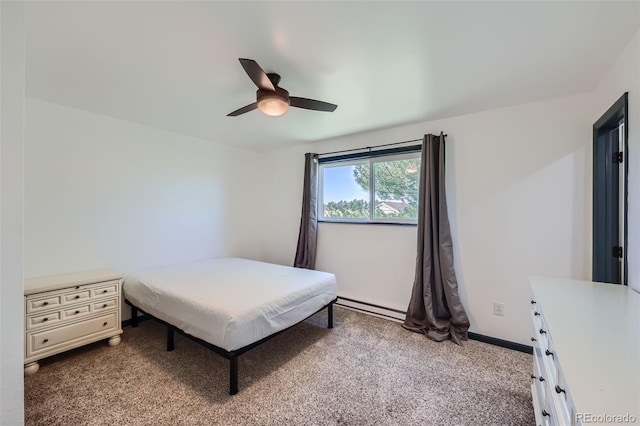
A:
273, 105
271, 99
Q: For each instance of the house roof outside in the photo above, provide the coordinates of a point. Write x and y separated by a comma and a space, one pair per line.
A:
392, 206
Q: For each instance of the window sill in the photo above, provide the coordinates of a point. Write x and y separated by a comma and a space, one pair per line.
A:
353, 222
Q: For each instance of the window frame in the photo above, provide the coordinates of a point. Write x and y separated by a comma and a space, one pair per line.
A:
370, 157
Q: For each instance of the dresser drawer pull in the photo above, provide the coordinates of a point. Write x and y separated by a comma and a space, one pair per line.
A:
105, 324
77, 287
544, 413
104, 306
77, 312
105, 291
45, 303
45, 319
541, 379
542, 331
77, 296
560, 390
533, 302
536, 313
548, 353
45, 340
533, 339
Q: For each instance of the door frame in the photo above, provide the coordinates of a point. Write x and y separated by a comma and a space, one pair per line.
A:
617, 113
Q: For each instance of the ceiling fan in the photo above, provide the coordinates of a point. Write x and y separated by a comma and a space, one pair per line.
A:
274, 100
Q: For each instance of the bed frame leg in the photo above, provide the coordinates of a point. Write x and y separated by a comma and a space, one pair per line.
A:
330, 315
134, 316
233, 375
170, 345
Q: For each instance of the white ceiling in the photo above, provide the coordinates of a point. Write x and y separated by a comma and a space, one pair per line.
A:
174, 65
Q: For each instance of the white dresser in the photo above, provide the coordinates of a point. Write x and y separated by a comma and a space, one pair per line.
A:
586, 342
70, 310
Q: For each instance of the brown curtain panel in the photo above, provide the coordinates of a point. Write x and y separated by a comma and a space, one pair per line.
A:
435, 308
306, 251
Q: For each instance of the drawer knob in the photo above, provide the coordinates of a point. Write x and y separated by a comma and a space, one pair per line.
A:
560, 390
77, 296
105, 324
77, 312
544, 413
533, 377
542, 331
548, 353
533, 339
45, 319
536, 313
45, 303
104, 306
541, 379
105, 291
77, 287
45, 340
533, 302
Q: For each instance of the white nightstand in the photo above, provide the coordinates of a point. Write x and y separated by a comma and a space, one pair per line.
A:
65, 311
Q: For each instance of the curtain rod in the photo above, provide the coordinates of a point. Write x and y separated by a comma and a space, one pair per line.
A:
371, 147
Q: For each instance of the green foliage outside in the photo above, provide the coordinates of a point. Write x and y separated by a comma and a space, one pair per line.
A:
352, 209
396, 182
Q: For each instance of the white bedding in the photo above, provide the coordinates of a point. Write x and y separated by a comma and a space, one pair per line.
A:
231, 302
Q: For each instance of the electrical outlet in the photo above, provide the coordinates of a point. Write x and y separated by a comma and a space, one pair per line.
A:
498, 308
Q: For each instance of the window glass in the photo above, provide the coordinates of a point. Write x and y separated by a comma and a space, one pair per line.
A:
396, 188
346, 195
345, 190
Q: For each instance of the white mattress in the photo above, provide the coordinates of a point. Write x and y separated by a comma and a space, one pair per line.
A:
231, 302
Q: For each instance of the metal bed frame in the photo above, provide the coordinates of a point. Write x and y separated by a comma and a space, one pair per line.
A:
232, 356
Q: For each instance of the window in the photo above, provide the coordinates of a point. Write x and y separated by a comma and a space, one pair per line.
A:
378, 187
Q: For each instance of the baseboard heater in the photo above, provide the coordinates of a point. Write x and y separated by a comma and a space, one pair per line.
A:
398, 315
370, 308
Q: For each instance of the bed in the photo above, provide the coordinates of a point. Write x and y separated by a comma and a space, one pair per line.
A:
229, 305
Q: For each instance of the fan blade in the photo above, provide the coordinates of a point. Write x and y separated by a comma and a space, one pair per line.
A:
256, 74
244, 109
311, 104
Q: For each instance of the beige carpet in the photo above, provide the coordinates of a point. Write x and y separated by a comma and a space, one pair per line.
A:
366, 371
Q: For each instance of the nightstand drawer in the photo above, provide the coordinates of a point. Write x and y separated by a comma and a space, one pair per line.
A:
47, 339
44, 303
105, 304
77, 312
109, 289
42, 320
77, 296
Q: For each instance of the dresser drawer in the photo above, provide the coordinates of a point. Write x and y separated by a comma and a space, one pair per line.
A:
551, 416
564, 401
42, 320
45, 340
76, 311
39, 304
107, 289
538, 379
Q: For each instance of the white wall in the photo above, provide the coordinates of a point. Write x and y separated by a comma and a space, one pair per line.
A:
12, 63
624, 76
517, 190
101, 192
